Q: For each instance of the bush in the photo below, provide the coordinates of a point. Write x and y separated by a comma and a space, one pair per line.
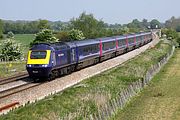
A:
178, 41
170, 33
1, 36
45, 36
75, 34
10, 35
62, 36
10, 50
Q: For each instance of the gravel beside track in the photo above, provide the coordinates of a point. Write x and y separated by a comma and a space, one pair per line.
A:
17, 89
59, 84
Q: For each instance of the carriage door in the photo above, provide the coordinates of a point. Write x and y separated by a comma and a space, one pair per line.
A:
68, 56
53, 58
73, 58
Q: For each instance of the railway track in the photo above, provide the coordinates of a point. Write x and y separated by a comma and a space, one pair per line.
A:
14, 78
13, 85
17, 89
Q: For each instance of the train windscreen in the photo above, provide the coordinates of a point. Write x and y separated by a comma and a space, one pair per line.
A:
38, 54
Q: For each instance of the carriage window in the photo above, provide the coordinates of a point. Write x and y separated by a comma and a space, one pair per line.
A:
122, 42
131, 40
109, 45
90, 49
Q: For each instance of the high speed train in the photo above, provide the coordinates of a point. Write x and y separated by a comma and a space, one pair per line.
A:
56, 59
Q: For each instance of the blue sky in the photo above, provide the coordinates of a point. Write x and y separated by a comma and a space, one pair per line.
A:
110, 11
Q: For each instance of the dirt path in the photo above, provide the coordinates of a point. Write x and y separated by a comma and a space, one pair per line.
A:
161, 99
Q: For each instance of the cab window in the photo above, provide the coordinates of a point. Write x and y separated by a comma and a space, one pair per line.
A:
38, 55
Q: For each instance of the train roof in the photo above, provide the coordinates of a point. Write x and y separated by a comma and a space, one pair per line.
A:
84, 42
65, 45
56, 46
105, 39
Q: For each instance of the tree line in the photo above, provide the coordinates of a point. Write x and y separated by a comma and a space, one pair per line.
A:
87, 23
86, 26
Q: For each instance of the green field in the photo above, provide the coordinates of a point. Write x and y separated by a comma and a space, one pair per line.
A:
160, 100
93, 92
24, 40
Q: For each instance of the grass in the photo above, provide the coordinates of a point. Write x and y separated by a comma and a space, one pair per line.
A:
24, 40
92, 93
160, 100
11, 68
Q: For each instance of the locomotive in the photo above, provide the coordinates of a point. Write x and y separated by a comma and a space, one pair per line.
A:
56, 59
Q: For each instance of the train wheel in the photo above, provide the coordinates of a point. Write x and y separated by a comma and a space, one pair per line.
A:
51, 76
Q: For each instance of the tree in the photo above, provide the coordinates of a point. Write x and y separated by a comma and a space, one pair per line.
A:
62, 36
75, 34
178, 28
1, 29
44, 36
10, 50
145, 23
178, 41
124, 30
172, 23
91, 27
10, 35
155, 24
170, 33
43, 24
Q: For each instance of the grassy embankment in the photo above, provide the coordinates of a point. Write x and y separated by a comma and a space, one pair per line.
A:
10, 68
93, 92
160, 100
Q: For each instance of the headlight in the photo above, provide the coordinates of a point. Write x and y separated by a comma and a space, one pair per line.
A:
29, 65
44, 65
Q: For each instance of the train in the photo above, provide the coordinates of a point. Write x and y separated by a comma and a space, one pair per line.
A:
51, 60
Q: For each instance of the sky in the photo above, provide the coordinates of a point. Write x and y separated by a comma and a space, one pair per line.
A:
110, 11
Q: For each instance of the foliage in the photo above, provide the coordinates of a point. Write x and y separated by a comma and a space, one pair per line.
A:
155, 24
59, 26
43, 24
125, 30
75, 34
10, 35
178, 28
44, 36
62, 36
170, 33
21, 27
10, 50
90, 26
173, 23
134, 26
145, 23
87, 23
1, 29
178, 41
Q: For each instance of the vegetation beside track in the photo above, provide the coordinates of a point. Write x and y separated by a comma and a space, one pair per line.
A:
9, 68
160, 100
94, 92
